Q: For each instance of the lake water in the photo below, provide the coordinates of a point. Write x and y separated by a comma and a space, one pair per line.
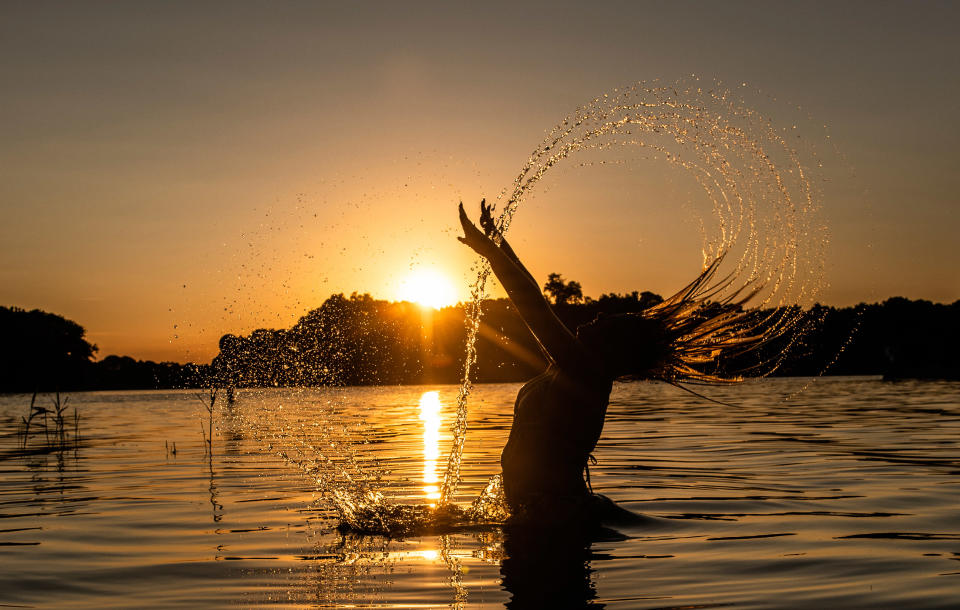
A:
847, 496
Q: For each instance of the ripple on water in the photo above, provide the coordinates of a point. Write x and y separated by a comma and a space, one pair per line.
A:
749, 513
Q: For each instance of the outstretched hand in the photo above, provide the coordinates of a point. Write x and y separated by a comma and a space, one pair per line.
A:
486, 219
474, 237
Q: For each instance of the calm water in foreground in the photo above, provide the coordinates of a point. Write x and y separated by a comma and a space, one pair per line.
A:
847, 496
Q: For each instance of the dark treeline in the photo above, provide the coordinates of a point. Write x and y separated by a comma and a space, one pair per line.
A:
46, 352
358, 340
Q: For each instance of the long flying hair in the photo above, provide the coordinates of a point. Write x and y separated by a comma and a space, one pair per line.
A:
701, 337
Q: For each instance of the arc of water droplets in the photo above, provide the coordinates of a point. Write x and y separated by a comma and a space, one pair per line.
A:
760, 193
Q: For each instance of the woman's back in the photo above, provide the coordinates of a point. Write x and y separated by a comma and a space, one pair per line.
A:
557, 422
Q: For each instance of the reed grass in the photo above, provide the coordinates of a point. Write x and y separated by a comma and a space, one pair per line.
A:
209, 400
50, 423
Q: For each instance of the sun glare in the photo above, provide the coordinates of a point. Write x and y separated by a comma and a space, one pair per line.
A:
428, 288
430, 408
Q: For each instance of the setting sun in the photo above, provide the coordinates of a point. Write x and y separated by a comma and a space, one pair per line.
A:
428, 288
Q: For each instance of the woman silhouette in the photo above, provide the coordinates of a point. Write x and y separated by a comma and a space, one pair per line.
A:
559, 415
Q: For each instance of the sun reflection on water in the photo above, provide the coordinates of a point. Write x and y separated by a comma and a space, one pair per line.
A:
430, 414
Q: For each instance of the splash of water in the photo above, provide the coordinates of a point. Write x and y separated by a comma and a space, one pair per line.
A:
320, 437
758, 221
761, 226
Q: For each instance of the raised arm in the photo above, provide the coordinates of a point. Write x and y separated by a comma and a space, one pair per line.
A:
490, 230
560, 344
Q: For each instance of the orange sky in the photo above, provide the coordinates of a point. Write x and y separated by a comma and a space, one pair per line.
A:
175, 171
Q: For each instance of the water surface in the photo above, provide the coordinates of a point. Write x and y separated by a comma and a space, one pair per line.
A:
846, 496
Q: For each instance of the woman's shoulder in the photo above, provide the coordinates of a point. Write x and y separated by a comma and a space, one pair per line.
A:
576, 383
586, 374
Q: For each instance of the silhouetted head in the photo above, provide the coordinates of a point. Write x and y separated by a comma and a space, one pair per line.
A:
630, 344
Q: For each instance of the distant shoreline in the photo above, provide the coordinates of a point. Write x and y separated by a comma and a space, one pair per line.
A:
360, 341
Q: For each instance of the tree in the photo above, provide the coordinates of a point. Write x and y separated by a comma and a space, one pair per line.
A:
563, 293
42, 351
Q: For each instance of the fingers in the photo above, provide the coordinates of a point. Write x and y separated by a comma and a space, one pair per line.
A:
464, 219
478, 240
468, 227
486, 210
486, 220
